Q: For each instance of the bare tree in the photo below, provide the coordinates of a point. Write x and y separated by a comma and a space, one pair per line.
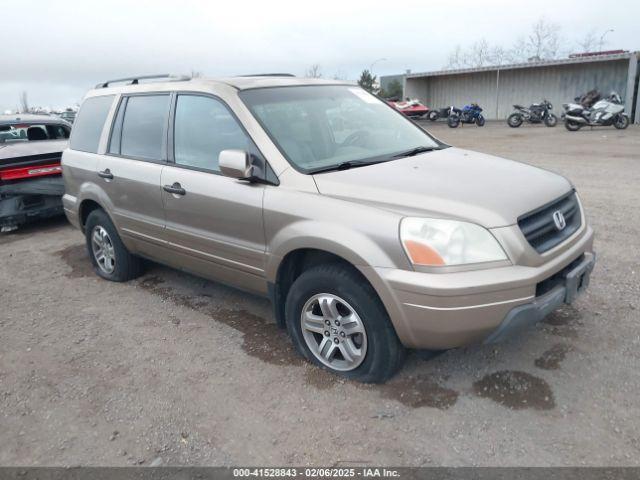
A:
544, 40
499, 56
589, 42
519, 52
479, 54
543, 43
456, 58
313, 71
195, 73
24, 102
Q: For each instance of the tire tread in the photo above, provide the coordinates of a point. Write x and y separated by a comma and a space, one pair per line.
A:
379, 369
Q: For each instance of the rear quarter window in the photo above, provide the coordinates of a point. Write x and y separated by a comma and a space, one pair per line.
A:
86, 132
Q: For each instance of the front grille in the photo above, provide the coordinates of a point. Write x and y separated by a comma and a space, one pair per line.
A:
539, 227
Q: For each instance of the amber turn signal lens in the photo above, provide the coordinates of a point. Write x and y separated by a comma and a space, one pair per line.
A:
422, 254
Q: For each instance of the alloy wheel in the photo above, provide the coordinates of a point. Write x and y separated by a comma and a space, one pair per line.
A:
102, 249
334, 332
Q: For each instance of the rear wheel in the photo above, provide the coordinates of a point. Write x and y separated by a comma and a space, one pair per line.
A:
480, 121
621, 122
433, 115
337, 321
514, 120
551, 120
572, 125
453, 121
110, 258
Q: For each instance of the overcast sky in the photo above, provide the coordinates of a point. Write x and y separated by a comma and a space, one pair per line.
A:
57, 50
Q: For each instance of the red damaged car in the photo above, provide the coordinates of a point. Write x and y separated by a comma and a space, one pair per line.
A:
31, 184
411, 108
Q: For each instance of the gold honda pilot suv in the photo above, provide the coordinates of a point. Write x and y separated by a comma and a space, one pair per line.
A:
369, 235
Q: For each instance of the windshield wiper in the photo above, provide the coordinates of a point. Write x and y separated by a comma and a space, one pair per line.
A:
362, 163
346, 165
415, 151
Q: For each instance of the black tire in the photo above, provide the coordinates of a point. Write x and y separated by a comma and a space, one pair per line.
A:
453, 121
551, 120
126, 265
621, 122
433, 115
572, 126
514, 120
480, 121
384, 354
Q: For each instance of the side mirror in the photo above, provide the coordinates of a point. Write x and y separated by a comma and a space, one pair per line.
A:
238, 164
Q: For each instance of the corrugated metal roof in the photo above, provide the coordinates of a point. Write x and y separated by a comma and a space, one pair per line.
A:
513, 66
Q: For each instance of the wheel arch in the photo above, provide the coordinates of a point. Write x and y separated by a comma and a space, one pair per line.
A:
294, 263
90, 197
87, 206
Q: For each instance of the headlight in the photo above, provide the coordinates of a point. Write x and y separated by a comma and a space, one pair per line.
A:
434, 242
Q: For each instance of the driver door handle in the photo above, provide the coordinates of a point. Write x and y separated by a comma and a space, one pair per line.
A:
106, 174
176, 189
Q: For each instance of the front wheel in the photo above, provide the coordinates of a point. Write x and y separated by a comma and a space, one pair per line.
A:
551, 120
453, 121
337, 321
572, 125
514, 120
110, 258
480, 121
621, 122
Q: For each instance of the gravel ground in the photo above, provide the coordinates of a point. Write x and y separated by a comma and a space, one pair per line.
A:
172, 369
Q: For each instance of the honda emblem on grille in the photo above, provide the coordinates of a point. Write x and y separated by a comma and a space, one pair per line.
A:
558, 219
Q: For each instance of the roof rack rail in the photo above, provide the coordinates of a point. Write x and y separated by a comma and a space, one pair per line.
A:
268, 75
136, 80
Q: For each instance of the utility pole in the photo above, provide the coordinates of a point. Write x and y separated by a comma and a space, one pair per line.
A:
602, 38
373, 63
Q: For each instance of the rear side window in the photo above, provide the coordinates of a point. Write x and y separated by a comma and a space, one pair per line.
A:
143, 126
87, 129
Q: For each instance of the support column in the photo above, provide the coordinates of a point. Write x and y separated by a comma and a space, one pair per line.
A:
497, 93
631, 86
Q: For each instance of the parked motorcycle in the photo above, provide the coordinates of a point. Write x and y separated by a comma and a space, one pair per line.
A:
536, 113
606, 112
468, 114
439, 113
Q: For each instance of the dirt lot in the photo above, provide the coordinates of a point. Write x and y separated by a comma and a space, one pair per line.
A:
172, 369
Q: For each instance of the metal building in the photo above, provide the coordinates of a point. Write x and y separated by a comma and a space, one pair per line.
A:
497, 88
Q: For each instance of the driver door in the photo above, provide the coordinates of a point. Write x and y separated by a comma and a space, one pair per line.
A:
214, 223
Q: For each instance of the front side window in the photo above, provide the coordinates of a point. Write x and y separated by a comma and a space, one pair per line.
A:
143, 126
317, 127
203, 128
89, 123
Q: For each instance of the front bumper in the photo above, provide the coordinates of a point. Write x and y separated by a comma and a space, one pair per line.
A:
570, 283
448, 310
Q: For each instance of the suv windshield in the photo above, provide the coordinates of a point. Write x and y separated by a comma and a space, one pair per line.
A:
319, 127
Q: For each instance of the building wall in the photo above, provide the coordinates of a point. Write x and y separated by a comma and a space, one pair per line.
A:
559, 84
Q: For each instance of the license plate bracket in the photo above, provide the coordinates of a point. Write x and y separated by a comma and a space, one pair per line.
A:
577, 280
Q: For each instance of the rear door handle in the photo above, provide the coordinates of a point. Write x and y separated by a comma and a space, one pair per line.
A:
176, 189
106, 174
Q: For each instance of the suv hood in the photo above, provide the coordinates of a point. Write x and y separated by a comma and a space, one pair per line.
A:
450, 183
